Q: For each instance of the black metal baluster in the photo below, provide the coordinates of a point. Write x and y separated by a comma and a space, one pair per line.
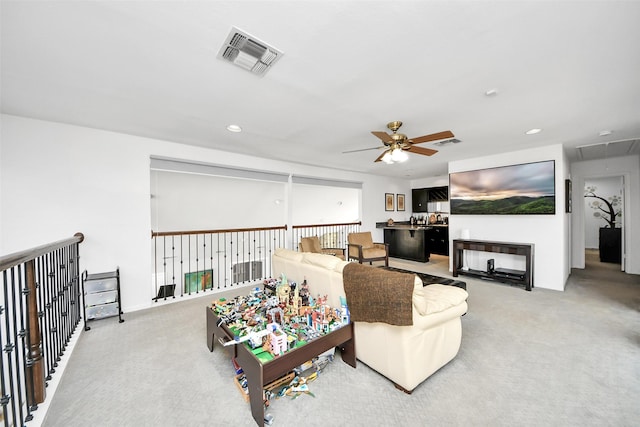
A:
16, 351
204, 259
155, 265
211, 258
220, 270
57, 306
199, 284
4, 397
41, 287
181, 266
66, 307
50, 311
46, 331
173, 267
226, 270
8, 383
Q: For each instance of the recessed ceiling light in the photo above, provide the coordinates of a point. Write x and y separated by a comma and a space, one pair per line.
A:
533, 131
234, 128
605, 132
491, 92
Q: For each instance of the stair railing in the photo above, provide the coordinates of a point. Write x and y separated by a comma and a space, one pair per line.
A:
40, 308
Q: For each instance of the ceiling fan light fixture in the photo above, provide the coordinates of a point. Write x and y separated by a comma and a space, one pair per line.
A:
399, 155
387, 158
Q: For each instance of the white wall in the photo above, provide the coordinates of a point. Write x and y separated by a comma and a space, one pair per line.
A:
627, 167
184, 201
59, 179
605, 188
318, 204
432, 181
546, 232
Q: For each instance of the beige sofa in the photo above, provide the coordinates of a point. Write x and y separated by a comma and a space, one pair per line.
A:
407, 355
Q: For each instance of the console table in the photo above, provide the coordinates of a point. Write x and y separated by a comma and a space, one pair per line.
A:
523, 249
260, 374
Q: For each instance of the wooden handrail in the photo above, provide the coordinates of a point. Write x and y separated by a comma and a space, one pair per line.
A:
228, 230
11, 260
327, 225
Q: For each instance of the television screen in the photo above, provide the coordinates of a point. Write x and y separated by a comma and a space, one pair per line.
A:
525, 189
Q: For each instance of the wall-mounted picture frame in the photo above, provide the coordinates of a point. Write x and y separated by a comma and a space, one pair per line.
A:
567, 196
400, 202
521, 189
388, 201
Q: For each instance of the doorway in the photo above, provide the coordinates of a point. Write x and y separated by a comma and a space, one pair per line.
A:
604, 219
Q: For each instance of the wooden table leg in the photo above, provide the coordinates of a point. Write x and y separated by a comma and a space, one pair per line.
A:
348, 350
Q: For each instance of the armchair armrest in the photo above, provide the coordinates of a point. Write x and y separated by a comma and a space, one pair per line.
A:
358, 247
333, 251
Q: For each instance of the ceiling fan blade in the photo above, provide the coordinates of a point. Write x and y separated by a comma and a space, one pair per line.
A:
423, 151
433, 137
363, 149
381, 156
385, 137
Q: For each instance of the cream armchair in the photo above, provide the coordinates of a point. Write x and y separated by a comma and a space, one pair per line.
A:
362, 248
312, 244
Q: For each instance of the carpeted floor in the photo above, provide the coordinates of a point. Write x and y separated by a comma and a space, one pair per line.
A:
540, 358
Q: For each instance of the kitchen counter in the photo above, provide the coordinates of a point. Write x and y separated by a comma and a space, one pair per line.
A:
418, 242
402, 226
406, 226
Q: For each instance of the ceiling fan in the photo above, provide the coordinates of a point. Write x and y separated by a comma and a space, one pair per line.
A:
397, 144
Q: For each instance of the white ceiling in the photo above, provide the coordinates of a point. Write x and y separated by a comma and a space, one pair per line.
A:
150, 68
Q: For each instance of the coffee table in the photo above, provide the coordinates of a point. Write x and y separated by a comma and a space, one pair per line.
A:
259, 374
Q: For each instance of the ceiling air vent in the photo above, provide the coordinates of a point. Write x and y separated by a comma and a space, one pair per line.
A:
248, 52
447, 141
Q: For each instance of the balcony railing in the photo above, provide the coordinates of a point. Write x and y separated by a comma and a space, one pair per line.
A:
330, 235
40, 308
191, 262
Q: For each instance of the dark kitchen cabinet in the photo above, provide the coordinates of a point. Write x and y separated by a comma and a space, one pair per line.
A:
419, 199
438, 240
421, 196
438, 194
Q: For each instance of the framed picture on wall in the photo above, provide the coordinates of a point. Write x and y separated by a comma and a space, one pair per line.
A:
400, 202
388, 201
567, 195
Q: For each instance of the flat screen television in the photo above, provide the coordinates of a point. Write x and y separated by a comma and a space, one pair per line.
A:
524, 189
